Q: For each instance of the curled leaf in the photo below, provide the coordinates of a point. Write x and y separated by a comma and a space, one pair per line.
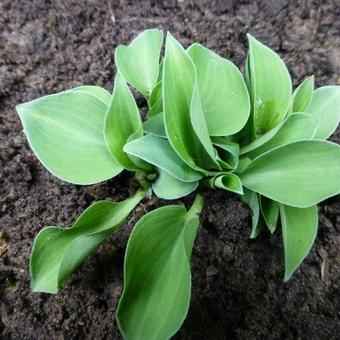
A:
57, 252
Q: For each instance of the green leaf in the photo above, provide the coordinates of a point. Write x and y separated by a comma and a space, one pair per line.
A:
139, 62
57, 252
299, 229
155, 125
230, 182
303, 95
228, 153
157, 278
155, 101
158, 151
100, 93
251, 199
271, 86
65, 131
169, 188
122, 121
227, 112
298, 126
183, 114
270, 212
326, 105
299, 174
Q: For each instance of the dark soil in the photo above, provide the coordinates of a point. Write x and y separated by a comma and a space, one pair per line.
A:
238, 293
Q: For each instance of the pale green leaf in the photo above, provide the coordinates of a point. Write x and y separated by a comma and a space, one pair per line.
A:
299, 174
157, 278
155, 101
325, 104
303, 95
139, 62
270, 212
227, 112
65, 131
155, 125
298, 126
169, 188
271, 86
158, 151
122, 121
178, 88
57, 252
299, 229
101, 94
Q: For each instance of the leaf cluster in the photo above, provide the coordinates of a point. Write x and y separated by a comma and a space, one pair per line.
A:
206, 126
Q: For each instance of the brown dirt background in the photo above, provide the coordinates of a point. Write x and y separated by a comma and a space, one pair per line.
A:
238, 293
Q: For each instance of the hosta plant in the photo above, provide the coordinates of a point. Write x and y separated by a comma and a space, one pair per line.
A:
206, 126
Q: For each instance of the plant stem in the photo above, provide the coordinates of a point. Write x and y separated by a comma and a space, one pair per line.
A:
197, 206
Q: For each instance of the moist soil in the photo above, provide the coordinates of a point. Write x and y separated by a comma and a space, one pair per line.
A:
238, 292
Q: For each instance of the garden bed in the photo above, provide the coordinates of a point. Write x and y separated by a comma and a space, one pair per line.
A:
238, 291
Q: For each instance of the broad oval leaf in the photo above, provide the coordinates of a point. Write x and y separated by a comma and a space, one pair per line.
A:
157, 278
139, 62
299, 229
298, 126
158, 151
303, 95
169, 187
299, 174
326, 105
227, 112
271, 86
121, 122
57, 252
181, 105
101, 94
65, 131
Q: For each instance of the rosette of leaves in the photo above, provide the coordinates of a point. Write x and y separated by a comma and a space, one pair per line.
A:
206, 126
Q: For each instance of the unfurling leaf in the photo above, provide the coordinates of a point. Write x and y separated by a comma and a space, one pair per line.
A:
270, 86
122, 121
230, 182
227, 112
65, 131
57, 252
157, 280
299, 229
299, 174
303, 95
325, 104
